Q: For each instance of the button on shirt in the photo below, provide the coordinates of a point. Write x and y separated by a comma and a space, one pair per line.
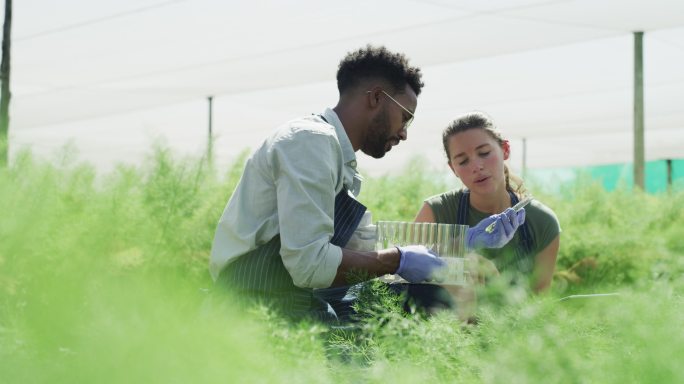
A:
288, 187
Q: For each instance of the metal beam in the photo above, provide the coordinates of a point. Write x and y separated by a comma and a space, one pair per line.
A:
639, 110
5, 94
524, 158
668, 163
210, 138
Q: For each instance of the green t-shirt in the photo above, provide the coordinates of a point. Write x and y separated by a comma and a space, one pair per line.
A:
541, 221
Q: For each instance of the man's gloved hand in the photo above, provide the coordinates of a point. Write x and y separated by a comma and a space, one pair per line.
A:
417, 263
496, 230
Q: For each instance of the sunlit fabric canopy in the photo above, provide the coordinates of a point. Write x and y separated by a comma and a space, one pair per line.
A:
114, 76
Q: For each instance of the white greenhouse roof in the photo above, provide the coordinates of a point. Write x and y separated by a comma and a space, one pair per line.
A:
110, 77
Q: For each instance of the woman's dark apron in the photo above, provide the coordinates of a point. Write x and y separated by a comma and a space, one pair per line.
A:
260, 274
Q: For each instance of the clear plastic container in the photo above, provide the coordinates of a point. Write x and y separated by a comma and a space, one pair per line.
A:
447, 240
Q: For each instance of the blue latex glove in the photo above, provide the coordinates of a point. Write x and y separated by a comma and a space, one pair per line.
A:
418, 263
496, 230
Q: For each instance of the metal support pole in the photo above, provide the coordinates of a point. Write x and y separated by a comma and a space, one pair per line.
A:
639, 110
5, 93
524, 158
669, 174
210, 138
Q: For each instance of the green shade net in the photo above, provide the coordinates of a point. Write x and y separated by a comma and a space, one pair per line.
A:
613, 176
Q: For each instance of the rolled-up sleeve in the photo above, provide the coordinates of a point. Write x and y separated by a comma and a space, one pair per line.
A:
307, 171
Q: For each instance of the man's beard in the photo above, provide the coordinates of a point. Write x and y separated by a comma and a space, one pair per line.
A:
377, 138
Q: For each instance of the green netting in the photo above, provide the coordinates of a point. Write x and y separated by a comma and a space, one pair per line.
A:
620, 175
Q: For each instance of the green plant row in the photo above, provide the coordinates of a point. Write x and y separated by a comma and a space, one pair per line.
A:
103, 278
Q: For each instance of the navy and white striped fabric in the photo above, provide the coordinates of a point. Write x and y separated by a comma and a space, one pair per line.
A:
348, 214
260, 274
524, 248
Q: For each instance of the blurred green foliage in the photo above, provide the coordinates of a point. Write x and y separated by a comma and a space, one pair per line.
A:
104, 279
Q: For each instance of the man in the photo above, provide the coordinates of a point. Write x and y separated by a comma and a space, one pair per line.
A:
285, 227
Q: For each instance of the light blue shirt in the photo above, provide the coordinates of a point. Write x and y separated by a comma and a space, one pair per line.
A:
288, 187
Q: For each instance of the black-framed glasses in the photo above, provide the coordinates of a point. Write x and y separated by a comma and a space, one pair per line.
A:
407, 122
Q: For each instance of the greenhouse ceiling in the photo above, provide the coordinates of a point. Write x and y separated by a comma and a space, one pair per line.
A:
112, 77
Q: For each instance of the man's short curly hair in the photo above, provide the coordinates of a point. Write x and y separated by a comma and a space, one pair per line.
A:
378, 63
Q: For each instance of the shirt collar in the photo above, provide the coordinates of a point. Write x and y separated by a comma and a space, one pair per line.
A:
348, 154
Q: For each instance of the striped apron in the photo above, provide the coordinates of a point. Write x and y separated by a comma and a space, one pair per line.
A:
261, 276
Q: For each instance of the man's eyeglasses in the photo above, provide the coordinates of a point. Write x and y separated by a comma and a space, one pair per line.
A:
407, 122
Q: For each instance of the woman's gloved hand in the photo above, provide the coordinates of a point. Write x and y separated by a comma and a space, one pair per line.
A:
496, 230
418, 263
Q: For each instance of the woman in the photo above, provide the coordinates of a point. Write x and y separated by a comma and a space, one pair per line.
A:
476, 153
